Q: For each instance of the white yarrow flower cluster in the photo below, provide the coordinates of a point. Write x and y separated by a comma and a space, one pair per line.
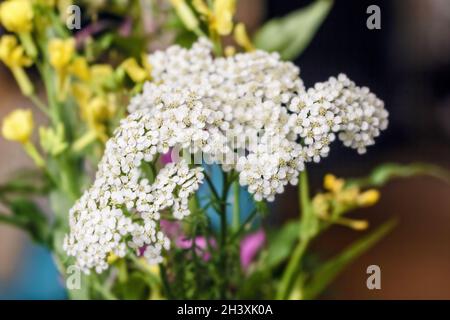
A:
121, 211
251, 108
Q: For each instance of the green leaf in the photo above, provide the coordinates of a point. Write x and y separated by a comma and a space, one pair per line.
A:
325, 274
25, 182
27, 216
281, 244
385, 172
291, 34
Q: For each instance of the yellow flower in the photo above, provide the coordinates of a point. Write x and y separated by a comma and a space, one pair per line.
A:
333, 184
220, 18
368, 198
12, 54
100, 74
241, 37
61, 52
201, 7
82, 93
134, 70
354, 224
223, 16
17, 15
18, 126
79, 67
146, 64
347, 196
321, 205
112, 258
230, 51
185, 13
99, 109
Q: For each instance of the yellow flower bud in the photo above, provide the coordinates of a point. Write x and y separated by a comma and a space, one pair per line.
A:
100, 108
146, 64
368, 198
347, 196
201, 7
185, 13
358, 225
17, 15
241, 37
12, 54
82, 93
100, 73
61, 52
18, 126
321, 205
230, 51
112, 258
332, 183
134, 70
79, 67
223, 16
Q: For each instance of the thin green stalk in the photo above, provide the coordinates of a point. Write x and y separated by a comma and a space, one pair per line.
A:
292, 268
236, 210
165, 281
243, 225
223, 234
38, 103
102, 290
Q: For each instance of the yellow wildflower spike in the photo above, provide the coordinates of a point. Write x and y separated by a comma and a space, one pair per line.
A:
185, 13
134, 70
18, 126
17, 15
61, 52
333, 184
223, 16
368, 198
241, 37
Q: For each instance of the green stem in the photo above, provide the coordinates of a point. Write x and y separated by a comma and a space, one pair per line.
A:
292, 268
34, 154
85, 140
38, 103
223, 235
165, 281
236, 210
28, 44
244, 225
25, 85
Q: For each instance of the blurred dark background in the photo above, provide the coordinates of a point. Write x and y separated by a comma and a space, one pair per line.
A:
407, 64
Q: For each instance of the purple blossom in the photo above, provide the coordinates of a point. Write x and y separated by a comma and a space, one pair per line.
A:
250, 246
